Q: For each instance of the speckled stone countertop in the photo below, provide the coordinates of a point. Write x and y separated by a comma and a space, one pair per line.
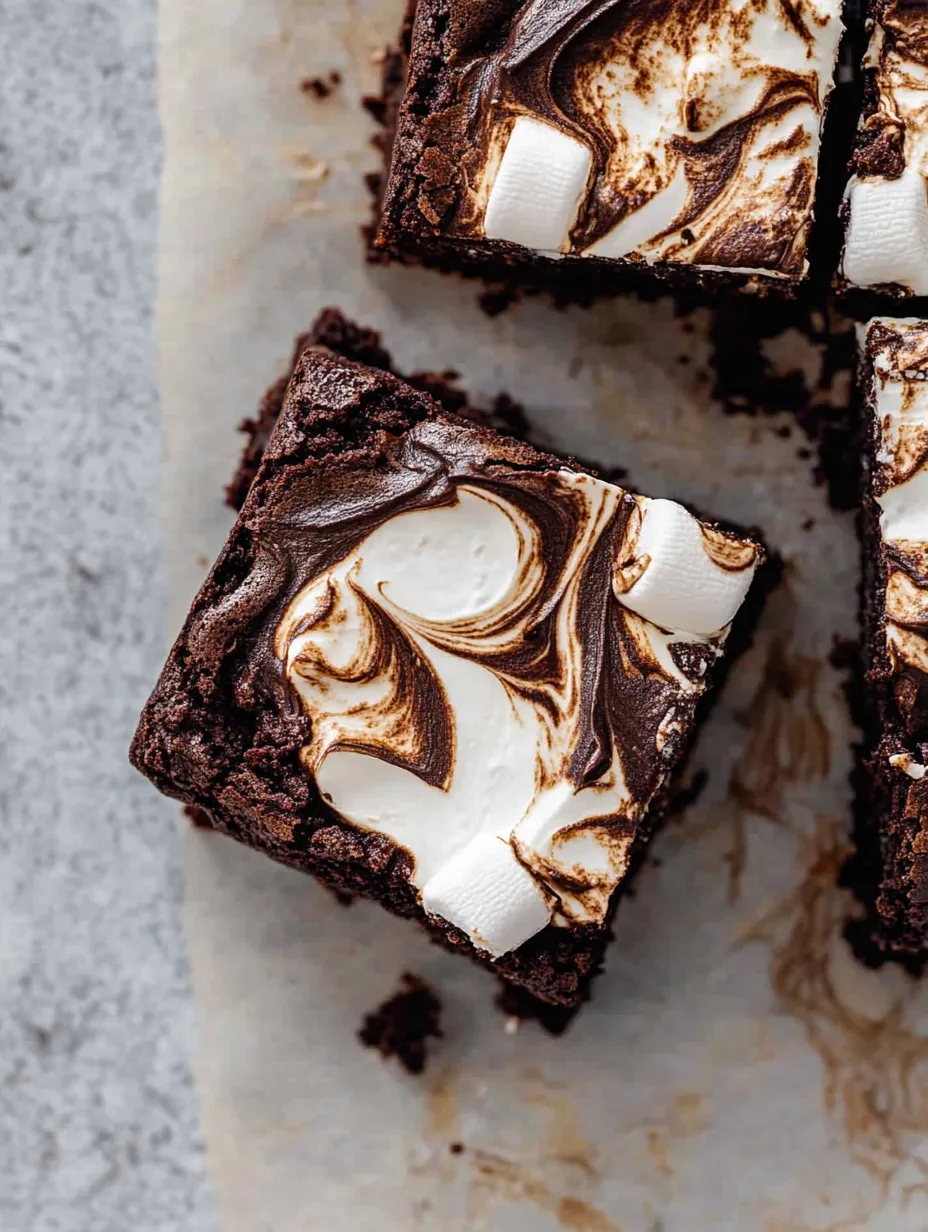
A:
98, 1115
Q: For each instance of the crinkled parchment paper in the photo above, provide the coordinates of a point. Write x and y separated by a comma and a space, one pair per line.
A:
736, 1070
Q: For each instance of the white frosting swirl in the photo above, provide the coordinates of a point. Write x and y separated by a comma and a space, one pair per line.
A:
452, 589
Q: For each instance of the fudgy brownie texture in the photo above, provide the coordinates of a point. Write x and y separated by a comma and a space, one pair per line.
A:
423, 198
889, 869
208, 735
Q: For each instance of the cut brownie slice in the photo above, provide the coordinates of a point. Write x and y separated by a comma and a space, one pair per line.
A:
891, 867
885, 211
441, 668
592, 140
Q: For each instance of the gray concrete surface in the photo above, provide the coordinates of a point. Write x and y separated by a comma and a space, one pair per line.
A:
98, 1117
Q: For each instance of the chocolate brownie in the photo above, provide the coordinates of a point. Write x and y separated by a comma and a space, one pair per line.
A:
885, 211
890, 869
591, 144
438, 667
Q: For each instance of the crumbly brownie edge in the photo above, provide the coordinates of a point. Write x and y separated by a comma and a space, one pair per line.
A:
890, 810
332, 330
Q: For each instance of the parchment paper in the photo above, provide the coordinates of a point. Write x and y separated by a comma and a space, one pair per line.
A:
736, 1071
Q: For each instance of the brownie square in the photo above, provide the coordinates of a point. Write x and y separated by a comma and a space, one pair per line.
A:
439, 667
890, 870
593, 145
885, 210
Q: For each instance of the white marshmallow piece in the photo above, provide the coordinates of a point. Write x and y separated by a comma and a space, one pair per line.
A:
887, 234
541, 181
486, 892
681, 588
908, 765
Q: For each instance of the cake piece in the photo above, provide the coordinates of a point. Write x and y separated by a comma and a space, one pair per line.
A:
885, 210
590, 141
892, 826
438, 667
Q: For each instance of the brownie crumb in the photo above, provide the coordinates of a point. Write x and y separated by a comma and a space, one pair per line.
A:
498, 299
687, 793
456, 1148
519, 1005
198, 817
321, 87
745, 382
402, 1025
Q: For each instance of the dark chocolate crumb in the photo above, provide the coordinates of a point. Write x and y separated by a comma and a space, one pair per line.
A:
402, 1025
497, 300
518, 1003
321, 87
746, 383
198, 817
687, 793
456, 1148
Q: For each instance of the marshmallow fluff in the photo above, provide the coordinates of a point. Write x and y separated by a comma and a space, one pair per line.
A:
503, 840
682, 586
887, 232
662, 194
538, 188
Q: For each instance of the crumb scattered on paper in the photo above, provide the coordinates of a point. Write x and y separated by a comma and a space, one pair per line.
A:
322, 86
402, 1026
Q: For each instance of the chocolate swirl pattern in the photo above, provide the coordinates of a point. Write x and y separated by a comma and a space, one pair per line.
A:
679, 130
477, 683
900, 482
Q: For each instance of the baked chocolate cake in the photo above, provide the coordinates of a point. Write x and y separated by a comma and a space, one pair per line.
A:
591, 142
890, 871
885, 211
438, 667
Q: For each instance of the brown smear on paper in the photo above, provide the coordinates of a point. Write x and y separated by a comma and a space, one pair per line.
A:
685, 1118
875, 1084
788, 743
875, 1081
788, 740
496, 1179
442, 1110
